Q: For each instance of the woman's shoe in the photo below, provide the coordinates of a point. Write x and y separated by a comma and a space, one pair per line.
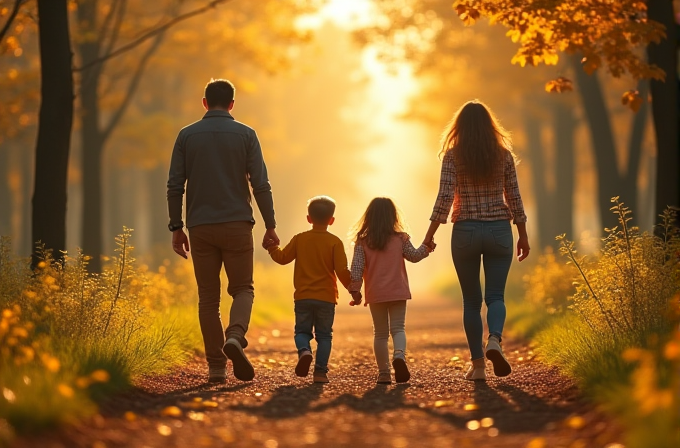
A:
494, 352
384, 378
477, 371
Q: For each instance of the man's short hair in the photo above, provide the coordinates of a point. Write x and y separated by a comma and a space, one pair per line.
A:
321, 209
219, 93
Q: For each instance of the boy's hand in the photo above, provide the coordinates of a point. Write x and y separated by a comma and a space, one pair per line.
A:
356, 298
269, 236
268, 244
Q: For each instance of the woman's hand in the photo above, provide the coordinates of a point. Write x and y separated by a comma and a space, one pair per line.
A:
523, 248
429, 236
356, 298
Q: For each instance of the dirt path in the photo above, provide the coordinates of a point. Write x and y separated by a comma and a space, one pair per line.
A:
534, 407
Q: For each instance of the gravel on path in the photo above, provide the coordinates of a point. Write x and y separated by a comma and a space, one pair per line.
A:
534, 407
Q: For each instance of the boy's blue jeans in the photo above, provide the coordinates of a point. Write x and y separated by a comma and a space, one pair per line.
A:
314, 320
490, 241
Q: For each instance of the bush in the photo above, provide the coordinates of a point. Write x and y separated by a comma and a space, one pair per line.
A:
619, 337
69, 337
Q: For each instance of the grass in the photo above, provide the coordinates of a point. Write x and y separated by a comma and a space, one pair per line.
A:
618, 334
69, 338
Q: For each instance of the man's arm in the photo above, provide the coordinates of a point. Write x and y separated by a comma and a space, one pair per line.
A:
285, 255
176, 180
259, 181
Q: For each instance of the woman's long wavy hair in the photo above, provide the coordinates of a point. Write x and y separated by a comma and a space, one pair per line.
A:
381, 220
478, 141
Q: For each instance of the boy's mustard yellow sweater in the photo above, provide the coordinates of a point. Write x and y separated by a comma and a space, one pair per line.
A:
319, 260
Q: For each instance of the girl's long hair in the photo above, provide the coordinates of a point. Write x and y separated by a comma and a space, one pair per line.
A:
381, 220
478, 141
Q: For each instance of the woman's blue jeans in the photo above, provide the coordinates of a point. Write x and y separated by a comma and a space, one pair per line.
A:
490, 242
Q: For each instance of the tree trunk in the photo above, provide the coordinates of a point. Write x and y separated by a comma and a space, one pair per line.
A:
27, 158
544, 211
54, 129
608, 180
637, 135
665, 105
91, 137
564, 125
6, 202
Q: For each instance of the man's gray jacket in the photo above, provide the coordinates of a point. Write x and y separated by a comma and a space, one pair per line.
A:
216, 158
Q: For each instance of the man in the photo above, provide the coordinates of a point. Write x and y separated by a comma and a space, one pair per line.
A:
216, 157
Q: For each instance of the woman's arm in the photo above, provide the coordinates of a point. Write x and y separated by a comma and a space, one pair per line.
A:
429, 236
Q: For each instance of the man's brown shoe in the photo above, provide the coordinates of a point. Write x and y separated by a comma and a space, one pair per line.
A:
321, 377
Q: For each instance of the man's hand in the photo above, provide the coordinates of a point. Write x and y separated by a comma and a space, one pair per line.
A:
522, 248
356, 298
180, 243
270, 239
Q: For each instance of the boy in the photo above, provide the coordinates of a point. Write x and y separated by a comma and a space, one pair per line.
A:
319, 260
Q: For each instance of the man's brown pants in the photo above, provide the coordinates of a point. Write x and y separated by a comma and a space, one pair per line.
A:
213, 245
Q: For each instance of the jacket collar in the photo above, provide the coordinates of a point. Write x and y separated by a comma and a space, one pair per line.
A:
217, 113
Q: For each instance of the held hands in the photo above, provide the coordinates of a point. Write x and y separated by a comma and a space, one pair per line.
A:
522, 248
429, 243
356, 298
270, 239
180, 243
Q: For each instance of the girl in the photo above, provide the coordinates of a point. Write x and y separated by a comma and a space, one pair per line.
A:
478, 178
380, 248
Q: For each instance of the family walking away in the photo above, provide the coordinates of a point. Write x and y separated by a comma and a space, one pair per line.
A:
217, 162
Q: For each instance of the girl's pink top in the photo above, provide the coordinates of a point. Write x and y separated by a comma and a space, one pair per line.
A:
384, 271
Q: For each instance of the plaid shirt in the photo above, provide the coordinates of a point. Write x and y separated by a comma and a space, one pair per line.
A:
492, 201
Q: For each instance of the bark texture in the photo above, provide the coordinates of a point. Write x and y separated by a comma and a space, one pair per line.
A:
54, 129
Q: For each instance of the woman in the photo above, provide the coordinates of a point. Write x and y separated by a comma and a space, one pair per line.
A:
479, 180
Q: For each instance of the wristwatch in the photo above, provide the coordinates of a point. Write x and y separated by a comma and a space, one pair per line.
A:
172, 227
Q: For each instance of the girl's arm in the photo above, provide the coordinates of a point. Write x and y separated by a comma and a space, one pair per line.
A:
357, 270
411, 253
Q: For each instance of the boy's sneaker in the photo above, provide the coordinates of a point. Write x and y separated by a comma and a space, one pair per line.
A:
494, 352
401, 373
217, 374
321, 377
477, 371
243, 369
304, 361
384, 378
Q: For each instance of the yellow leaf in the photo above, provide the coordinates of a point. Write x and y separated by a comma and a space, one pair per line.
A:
66, 391
576, 422
470, 407
591, 64
538, 442
100, 376
443, 403
50, 362
171, 411
130, 416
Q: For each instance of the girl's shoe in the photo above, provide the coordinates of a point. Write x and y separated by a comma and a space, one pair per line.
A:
477, 371
494, 352
384, 378
304, 361
401, 373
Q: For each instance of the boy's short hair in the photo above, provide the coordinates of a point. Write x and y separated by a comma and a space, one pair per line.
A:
321, 209
219, 93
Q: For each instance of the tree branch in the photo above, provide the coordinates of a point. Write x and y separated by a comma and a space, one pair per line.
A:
151, 33
10, 19
115, 28
132, 87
